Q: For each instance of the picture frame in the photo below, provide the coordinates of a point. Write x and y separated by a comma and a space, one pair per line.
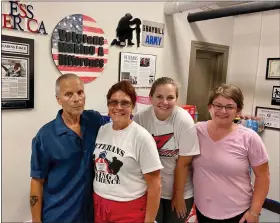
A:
137, 68
273, 69
17, 72
275, 95
271, 116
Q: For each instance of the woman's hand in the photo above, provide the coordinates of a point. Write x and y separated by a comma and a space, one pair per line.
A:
178, 203
249, 218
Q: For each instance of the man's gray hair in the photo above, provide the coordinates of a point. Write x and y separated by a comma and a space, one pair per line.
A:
63, 77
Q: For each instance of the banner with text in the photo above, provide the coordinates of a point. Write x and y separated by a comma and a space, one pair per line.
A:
152, 34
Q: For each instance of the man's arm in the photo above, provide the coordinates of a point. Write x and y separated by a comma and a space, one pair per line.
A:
97, 118
36, 198
39, 169
153, 195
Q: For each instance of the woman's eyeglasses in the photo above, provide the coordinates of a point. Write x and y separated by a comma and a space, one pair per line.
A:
227, 107
123, 103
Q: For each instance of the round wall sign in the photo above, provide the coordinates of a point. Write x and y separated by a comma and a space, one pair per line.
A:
79, 46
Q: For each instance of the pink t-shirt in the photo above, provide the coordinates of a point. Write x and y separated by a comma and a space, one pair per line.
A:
222, 183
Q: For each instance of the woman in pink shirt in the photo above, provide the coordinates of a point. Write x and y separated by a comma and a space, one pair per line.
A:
221, 178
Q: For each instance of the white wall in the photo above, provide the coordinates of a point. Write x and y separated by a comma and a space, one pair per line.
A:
250, 38
180, 33
257, 37
20, 126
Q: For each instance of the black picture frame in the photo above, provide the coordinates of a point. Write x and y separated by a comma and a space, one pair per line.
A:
151, 78
268, 63
17, 76
261, 111
275, 95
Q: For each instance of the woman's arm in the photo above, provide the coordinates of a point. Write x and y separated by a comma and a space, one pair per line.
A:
153, 195
180, 179
261, 187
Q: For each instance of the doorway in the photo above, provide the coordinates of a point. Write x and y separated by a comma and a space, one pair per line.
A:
208, 69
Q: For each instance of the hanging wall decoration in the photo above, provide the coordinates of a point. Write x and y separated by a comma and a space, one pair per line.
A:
152, 34
273, 69
17, 69
275, 99
79, 46
21, 17
124, 31
139, 69
271, 116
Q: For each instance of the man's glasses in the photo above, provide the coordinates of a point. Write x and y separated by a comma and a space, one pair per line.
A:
227, 107
123, 103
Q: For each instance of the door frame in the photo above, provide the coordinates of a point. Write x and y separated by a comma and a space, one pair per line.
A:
222, 52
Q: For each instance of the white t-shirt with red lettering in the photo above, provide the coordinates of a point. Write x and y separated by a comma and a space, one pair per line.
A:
175, 136
222, 183
120, 159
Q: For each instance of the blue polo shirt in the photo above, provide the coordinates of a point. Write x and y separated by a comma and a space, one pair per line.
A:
64, 160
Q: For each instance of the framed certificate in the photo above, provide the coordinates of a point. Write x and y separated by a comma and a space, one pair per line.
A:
17, 69
271, 117
273, 69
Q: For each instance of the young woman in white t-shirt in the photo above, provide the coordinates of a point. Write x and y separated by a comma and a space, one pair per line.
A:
126, 164
175, 134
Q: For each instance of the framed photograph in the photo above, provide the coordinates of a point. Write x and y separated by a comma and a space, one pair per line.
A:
273, 69
271, 117
17, 69
139, 69
275, 97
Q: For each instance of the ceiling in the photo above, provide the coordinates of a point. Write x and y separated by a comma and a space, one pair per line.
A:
223, 4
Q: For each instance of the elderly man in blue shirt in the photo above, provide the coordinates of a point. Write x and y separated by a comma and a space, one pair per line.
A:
61, 160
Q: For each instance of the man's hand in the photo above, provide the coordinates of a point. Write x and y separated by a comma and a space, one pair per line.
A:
178, 203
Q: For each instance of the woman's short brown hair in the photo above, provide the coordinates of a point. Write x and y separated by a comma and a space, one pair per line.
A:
126, 87
228, 91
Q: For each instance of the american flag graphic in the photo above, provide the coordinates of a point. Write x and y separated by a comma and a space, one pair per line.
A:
80, 24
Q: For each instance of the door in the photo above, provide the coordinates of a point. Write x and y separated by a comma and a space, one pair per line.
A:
208, 69
201, 81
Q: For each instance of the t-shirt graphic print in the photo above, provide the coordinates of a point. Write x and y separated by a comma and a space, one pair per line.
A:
106, 169
120, 160
163, 145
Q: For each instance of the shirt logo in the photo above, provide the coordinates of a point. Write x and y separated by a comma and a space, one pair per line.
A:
106, 170
161, 141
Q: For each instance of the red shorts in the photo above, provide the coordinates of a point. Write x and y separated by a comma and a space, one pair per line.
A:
106, 211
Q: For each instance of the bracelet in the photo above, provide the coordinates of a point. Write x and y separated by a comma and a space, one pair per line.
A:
254, 214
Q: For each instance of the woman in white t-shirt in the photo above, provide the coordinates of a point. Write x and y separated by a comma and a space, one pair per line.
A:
175, 134
126, 163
